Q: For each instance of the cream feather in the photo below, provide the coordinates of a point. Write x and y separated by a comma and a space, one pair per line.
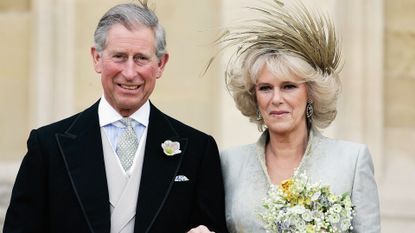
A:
279, 27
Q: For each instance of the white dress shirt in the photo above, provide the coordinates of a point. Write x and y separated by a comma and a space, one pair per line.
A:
109, 120
123, 186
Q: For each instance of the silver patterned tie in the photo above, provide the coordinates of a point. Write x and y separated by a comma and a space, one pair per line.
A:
127, 144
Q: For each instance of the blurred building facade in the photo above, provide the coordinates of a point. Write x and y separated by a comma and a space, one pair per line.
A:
47, 74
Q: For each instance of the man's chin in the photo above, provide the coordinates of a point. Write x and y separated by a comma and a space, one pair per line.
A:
128, 108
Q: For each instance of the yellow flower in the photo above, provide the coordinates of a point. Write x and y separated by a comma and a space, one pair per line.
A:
286, 189
286, 184
310, 228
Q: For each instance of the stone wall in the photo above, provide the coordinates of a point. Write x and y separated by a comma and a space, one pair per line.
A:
15, 31
14, 65
399, 171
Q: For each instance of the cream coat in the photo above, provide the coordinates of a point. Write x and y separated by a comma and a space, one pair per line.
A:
345, 166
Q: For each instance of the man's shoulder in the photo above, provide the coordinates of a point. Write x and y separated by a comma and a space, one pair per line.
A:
65, 123
60, 126
184, 127
179, 126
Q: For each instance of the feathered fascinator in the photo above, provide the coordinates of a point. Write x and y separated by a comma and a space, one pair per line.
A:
285, 28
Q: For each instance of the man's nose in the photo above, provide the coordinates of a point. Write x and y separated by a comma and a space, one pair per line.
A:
129, 70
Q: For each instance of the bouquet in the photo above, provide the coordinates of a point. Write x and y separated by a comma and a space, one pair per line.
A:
298, 206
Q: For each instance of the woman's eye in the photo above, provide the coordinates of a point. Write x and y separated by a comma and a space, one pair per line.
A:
264, 88
289, 86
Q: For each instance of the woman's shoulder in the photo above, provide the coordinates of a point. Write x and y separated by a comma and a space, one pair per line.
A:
339, 151
339, 145
234, 150
237, 154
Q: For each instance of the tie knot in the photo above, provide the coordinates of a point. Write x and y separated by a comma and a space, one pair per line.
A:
127, 122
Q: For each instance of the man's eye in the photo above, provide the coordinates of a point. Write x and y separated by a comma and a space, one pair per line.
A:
118, 58
141, 60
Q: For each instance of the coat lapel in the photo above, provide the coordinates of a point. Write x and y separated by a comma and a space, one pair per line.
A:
159, 170
81, 148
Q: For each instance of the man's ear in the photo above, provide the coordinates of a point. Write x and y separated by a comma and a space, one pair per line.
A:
162, 63
97, 59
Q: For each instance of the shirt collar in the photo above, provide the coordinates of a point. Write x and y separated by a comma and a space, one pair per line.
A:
108, 115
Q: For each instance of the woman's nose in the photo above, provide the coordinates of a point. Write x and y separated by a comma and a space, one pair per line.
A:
277, 97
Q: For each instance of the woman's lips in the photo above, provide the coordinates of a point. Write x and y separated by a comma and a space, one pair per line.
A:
278, 113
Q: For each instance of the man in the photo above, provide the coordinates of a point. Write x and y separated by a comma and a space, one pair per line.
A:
120, 166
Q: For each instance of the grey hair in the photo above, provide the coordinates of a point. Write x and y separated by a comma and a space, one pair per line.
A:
130, 15
323, 89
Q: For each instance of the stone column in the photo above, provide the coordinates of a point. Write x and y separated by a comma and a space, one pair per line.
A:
52, 61
360, 116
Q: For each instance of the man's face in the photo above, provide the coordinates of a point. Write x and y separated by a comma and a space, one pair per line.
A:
129, 67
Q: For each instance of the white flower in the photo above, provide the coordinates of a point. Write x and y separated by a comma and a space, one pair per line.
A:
345, 225
347, 202
298, 209
307, 216
336, 208
332, 198
315, 196
171, 148
334, 218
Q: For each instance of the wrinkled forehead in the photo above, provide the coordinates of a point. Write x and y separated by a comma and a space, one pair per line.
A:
140, 31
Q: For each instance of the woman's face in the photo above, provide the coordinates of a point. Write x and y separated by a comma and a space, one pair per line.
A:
281, 103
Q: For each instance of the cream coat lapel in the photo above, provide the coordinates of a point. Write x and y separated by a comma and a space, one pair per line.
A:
123, 190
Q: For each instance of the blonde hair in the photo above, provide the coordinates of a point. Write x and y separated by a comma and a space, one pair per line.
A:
292, 41
322, 89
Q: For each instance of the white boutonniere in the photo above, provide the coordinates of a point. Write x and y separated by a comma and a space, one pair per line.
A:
171, 148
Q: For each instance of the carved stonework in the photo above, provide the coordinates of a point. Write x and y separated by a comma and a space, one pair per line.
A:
14, 5
400, 47
399, 64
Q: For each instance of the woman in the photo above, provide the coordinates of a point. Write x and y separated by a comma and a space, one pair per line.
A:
284, 78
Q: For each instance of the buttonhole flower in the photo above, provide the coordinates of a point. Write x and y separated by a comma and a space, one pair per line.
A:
171, 148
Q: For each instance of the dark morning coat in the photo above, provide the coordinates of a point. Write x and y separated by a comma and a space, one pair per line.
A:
61, 186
